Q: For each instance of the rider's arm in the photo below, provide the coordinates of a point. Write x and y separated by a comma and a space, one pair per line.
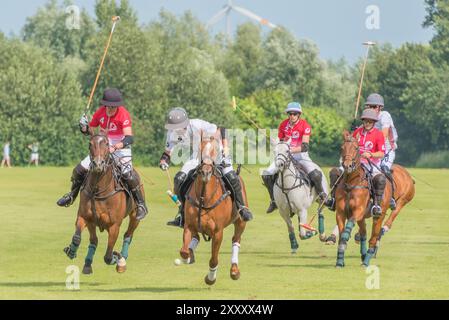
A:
127, 141
305, 140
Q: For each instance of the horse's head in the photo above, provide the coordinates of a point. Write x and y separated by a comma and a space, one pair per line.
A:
209, 153
350, 152
99, 153
282, 155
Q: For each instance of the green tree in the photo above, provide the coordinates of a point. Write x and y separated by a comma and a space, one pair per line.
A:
241, 61
291, 65
106, 9
48, 29
40, 100
438, 19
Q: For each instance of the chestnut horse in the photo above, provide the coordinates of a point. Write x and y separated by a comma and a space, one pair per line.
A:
352, 203
104, 203
209, 209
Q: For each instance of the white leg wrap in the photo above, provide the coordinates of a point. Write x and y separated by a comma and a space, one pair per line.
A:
194, 244
235, 253
212, 274
335, 232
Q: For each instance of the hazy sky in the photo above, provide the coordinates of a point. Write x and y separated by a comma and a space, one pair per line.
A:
338, 27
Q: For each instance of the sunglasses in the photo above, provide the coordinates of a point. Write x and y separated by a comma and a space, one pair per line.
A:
373, 107
294, 114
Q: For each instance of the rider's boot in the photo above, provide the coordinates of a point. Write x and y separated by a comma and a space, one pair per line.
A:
379, 182
317, 179
132, 180
180, 178
234, 181
389, 176
334, 175
269, 181
78, 176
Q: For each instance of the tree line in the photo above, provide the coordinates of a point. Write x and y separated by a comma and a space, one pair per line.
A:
48, 70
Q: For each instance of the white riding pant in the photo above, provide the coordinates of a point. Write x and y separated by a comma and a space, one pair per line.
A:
122, 157
388, 160
306, 164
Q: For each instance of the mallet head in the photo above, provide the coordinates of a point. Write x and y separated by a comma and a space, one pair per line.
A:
369, 43
116, 18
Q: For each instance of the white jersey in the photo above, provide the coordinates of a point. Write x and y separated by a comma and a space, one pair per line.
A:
190, 137
386, 122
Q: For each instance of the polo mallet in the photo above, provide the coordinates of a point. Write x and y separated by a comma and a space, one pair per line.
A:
368, 44
108, 44
170, 193
320, 214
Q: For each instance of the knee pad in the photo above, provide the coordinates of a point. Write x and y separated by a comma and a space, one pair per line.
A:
334, 174
316, 176
180, 178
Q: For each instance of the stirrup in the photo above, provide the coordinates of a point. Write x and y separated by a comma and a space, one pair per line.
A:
68, 199
178, 222
392, 204
373, 209
145, 212
245, 214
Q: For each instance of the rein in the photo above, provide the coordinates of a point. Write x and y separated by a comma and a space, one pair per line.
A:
98, 195
288, 160
201, 204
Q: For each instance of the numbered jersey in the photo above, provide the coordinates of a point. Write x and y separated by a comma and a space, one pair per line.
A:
112, 126
295, 132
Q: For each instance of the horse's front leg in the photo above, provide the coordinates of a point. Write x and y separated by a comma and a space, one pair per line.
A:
362, 237
72, 249
111, 257
344, 235
217, 238
374, 240
187, 241
239, 227
291, 230
304, 234
91, 250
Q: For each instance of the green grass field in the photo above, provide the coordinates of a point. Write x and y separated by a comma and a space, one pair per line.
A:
413, 258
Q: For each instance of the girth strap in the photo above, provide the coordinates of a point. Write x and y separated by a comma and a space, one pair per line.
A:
197, 205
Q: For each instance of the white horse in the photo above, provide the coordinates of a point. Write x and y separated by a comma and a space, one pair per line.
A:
294, 195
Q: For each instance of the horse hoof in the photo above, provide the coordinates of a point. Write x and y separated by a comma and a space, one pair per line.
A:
339, 265
121, 269
208, 282
294, 251
88, 270
121, 265
235, 275
235, 272
323, 237
364, 265
69, 253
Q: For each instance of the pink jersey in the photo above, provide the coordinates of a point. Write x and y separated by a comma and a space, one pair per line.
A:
113, 125
370, 141
296, 132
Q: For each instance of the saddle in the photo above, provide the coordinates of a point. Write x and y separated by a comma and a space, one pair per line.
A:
303, 175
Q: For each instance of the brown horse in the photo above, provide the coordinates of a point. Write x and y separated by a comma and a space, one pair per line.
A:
352, 203
104, 203
404, 191
209, 209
